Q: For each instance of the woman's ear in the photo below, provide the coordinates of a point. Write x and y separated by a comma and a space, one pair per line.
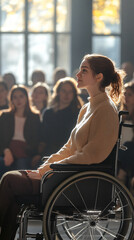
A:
99, 77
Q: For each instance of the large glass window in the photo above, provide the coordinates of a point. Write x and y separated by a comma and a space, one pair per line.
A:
106, 28
31, 33
41, 16
12, 55
12, 15
41, 54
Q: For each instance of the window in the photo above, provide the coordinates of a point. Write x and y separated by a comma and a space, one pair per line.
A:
31, 33
106, 29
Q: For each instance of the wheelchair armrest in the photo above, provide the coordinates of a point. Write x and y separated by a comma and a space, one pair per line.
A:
67, 167
79, 167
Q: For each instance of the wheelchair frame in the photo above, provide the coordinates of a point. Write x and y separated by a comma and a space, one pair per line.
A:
70, 213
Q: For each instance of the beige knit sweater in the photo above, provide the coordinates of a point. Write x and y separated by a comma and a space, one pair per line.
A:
94, 135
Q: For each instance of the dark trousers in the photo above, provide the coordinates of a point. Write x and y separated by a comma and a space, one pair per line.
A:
14, 184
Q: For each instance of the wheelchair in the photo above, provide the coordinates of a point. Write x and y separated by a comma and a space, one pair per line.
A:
82, 202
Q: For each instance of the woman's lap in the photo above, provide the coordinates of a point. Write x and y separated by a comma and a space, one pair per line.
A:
20, 183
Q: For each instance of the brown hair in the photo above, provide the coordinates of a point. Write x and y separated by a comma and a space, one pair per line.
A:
76, 102
38, 76
4, 85
58, 74
111, 76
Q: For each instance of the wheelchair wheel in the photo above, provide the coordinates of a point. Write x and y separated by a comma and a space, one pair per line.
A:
89, 205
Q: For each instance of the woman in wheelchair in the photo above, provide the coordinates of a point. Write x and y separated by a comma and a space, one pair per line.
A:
90, 142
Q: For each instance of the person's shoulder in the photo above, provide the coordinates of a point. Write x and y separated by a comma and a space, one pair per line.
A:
108, 112
33, 115
112, 106
48, 114
6, 113
108, 105
48, 111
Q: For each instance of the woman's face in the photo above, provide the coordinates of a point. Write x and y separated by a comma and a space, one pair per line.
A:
129, 99
85, 77
39, 95
19, 100
66, 94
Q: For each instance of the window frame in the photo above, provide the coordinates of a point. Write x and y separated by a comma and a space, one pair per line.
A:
26, 34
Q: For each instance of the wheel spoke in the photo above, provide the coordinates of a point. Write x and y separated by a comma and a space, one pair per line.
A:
97, 190
80, 233
71, 202
81, 196
109, 232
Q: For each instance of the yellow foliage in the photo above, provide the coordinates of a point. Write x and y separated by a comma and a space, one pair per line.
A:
105, 12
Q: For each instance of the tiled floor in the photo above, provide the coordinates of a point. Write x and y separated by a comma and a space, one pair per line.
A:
35, 227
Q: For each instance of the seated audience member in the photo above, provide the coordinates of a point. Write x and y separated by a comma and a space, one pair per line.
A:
128, 67
3, 95
126, 158
9, 79
38, 76
127, 104
58, 74
90, 142
60, 118
19, 132
40, 97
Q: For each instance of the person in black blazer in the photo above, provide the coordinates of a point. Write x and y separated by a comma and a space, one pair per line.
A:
19, 132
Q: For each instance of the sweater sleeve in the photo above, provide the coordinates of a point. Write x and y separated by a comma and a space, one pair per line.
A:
101, 140
65, 151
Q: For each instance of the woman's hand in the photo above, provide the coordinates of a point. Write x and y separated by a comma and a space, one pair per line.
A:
44, 168
8, 157
34, 174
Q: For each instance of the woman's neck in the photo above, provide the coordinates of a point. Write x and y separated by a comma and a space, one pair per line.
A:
95, 92
63, 105
19, 113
